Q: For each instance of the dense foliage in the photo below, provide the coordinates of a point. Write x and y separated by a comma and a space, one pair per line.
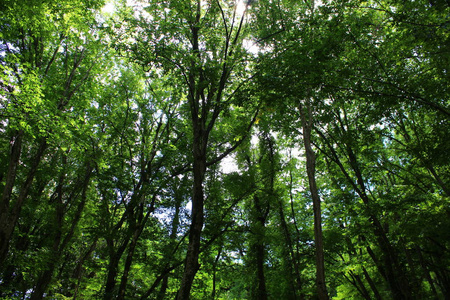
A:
224, 149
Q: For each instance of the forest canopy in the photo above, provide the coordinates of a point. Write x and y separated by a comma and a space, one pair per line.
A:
211, 149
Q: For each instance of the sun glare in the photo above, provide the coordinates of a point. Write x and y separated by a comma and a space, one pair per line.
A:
109, 7
240, 7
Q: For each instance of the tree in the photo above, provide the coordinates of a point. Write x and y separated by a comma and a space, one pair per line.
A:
116, 120
47, 67
200, 44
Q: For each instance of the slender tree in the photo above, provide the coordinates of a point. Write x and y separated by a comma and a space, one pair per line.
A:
203, 52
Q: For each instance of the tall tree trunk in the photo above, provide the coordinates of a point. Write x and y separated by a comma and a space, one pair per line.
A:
306, 118
389, 264
199, 145
371, 284
114, 259
426, 272
112, 270
59, 241
173, 235
356, 281
394, 271
195, 231
362, 287
205, 104
10, 215
5, 231
261, 291
128, 262
126, 270
46, 276
257, 248
292, 261
297, 231
78, 272
159, 278
219, 253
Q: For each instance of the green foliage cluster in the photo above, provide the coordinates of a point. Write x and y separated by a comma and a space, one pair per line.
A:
123, 132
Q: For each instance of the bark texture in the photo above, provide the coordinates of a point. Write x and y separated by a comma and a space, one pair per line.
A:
306, 118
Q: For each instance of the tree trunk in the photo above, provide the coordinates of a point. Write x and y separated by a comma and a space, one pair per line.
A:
362, 288
389, 264
5, 230
199, 145
310, 170
78, 272
291, 261
172, 246
257, 248
9, 216
112, 270
426, 272
205, 105
46, 276
371, 284
136, 234
213, 293
158, 279
261, 291
193, 251
297, 237
60, 242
